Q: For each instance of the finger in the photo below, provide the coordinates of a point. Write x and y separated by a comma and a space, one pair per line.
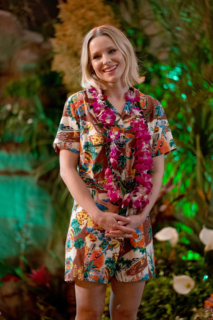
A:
122, 223
117, 233
124, 229
122, 218
122, 235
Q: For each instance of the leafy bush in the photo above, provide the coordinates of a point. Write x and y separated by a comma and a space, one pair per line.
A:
160, 301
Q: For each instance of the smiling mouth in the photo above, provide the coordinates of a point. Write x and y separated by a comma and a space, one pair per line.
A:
110, 69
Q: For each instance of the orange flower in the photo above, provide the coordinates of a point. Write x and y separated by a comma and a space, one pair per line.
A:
169, 210
91, 237
96, 278
140, 243
86, 157
86, 251
99, 261
208, 304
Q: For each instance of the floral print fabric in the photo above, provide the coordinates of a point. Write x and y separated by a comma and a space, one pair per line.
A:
90, 255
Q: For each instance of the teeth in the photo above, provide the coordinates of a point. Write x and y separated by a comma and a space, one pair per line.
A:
110, 69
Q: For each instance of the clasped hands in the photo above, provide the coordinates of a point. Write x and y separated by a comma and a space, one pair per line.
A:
118, 226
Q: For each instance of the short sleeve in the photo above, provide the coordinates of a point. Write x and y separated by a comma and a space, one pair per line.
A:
68, 134
162, 141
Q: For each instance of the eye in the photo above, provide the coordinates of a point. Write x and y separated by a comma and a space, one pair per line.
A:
95, 57
112, 50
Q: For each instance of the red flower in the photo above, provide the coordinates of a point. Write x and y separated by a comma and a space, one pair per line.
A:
10, 277
41, 276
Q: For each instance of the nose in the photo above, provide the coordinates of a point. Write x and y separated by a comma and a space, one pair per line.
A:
106, 59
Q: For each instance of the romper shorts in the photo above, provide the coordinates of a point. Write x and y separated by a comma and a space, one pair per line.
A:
92, 256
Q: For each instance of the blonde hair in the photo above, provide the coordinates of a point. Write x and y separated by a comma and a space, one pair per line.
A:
131, 73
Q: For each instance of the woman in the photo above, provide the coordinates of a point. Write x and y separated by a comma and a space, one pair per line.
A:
114, 135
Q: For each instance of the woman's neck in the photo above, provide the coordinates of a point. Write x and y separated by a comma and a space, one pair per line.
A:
116, 91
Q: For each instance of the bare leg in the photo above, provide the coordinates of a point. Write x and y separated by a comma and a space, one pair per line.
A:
125, 299
90, 298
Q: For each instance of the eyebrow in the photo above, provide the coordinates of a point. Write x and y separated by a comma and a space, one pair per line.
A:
108, 48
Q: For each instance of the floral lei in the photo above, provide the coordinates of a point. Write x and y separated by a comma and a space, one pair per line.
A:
136, 197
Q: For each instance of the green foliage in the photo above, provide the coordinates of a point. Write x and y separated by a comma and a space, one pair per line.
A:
202, 314
164, 302
160, 300
25, 87
31, 118
183, 83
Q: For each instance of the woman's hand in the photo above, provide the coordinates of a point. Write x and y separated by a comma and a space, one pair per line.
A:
135, 221
112, 221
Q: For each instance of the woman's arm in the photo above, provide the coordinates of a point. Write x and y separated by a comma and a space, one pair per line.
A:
81, 194
136, 220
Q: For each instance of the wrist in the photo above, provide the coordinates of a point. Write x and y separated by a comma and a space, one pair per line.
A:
95, 213
142, 215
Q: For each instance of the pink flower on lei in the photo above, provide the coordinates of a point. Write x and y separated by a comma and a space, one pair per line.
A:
138, 198
107, 116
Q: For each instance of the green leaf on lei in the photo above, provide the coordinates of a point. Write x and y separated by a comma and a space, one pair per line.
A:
123, 190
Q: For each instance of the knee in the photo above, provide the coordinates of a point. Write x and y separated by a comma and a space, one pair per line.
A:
90, 312
125, 312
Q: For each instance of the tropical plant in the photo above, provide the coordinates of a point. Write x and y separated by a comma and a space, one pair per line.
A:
36, 295
160, 300
173, 40
33, 125
77, 18
189, 90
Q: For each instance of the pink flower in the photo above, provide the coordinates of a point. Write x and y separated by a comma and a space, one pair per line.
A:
139, 179
143, 161
140, 167
114, 196
137, 204
126, 200
41, 277
139, 153
108, 172
114, 153
107, 116
132, 96
114, 163
137, 111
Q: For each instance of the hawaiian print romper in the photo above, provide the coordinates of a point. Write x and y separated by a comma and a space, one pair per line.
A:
90, 255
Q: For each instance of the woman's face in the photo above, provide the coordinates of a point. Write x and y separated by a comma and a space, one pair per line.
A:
107, 61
